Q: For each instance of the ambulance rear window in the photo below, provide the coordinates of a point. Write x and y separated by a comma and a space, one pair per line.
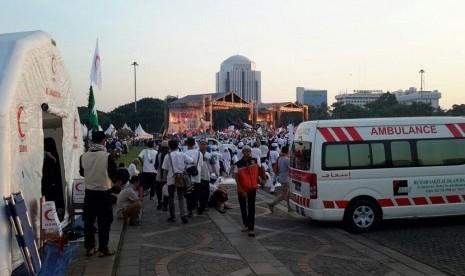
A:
300, 155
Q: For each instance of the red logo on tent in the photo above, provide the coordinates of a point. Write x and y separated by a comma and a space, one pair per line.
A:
49, 215
20, 112
78, 187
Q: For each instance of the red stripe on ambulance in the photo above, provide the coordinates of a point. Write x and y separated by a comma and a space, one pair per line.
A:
420, 201
303, 201
340, 134
327, 135
436, 199
403, 201
453, 198
454, 130
354, 133
462, 127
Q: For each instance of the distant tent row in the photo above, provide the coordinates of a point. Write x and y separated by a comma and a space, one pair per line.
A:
111, 131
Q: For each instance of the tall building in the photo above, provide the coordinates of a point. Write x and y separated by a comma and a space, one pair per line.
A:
237, 74
311, 97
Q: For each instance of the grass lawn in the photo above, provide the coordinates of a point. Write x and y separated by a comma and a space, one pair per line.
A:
130, 156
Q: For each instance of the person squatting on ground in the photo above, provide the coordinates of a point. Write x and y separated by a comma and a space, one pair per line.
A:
283, 178
129, 203
218, 196
160, 180
175, 162
191, 196
98, 168
202, 191
147, 178
246, 172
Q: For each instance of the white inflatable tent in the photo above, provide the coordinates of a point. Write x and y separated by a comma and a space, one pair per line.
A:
35, 91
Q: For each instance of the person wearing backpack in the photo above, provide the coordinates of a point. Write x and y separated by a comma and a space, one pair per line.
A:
283, 177
175, 163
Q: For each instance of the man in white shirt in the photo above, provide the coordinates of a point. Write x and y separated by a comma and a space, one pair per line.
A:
274, 155
226, 159
129, 204
197, 156
263, 150
175, 162
209, 166
147, 157
256, 152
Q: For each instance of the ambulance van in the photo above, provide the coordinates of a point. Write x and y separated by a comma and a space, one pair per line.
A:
360, 171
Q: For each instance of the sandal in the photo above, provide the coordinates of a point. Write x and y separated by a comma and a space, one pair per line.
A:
91, 252
106, 253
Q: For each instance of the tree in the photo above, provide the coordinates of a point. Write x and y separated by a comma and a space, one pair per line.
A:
456, 110
347, 111
383, 106
320, 112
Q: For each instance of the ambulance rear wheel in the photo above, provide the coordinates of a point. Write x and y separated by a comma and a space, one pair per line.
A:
362, 216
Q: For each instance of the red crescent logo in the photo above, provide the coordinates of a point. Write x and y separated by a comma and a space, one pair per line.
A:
22, 135
75, 130
78, 187
49, 213
97, 61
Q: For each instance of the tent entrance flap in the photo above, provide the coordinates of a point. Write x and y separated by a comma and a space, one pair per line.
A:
53, 181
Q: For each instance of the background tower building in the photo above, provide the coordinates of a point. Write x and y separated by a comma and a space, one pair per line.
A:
237, 74
311, 97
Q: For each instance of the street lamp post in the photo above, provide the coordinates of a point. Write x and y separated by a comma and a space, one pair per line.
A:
135, 93
421, 79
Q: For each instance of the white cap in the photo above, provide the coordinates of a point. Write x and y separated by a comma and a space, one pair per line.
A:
274, 145
240, 145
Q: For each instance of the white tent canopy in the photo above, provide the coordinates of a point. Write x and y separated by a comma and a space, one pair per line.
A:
126, 127
111, 130
37, 104
141, 134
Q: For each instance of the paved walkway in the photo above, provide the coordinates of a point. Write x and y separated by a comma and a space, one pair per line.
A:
212, 244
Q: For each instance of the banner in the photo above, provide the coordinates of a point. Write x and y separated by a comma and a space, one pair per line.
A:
50, 222
95, 72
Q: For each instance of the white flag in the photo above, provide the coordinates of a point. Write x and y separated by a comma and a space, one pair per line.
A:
96, 73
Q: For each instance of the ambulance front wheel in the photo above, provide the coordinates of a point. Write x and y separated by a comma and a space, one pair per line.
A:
362, 216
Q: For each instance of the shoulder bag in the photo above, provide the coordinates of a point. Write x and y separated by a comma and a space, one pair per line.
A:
179, 180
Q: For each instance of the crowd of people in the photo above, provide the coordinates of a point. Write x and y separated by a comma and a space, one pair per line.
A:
254, 161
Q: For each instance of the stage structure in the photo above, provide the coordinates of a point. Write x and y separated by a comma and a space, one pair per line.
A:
270, 113
193, 113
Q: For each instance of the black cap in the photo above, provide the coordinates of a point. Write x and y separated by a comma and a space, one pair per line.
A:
97, 137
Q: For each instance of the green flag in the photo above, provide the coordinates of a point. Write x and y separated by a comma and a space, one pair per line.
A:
93, 119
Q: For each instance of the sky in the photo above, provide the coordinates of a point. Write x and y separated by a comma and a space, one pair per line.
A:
337, 45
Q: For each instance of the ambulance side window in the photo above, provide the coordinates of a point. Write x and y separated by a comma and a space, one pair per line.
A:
378, 155
441, 152
401, 154
359, 155
336, 156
